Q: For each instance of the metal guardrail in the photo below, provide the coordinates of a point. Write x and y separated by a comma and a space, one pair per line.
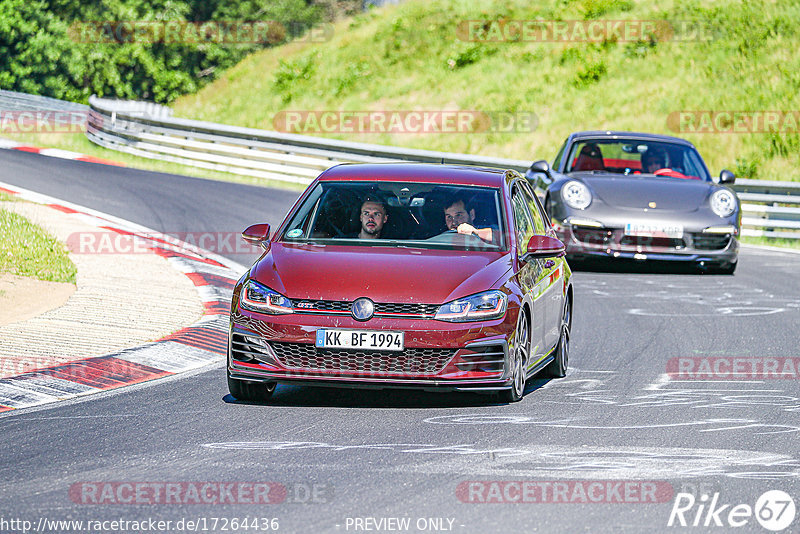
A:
14, 101
273, 155
770, 208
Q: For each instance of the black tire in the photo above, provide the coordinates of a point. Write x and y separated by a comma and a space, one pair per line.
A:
558, 367
247, 390
725, 269
519, 360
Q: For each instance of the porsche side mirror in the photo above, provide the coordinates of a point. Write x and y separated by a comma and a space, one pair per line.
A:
542, 246
538, 174
540, 166
726, 177
257, 234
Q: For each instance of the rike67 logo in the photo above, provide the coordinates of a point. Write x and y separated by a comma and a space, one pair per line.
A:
774, 510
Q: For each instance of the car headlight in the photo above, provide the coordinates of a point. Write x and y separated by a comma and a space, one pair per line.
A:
480, 307
259, 298
576, 195
723, 202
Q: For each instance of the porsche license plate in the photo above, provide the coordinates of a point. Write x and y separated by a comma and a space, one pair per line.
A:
359, 339
654, 230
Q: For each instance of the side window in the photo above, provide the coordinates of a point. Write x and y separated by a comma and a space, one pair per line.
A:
557, 161
523, 227
539, 224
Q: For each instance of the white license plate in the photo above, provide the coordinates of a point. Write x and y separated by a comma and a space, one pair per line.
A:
654, 230
359, 339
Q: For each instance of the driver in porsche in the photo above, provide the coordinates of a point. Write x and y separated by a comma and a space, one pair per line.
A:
654, 159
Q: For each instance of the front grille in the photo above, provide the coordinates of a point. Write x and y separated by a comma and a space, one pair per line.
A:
409, 361
381, 308
648, 241
711, 241
321, 305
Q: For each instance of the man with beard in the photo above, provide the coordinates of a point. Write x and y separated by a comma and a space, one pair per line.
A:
459, 215
373, 216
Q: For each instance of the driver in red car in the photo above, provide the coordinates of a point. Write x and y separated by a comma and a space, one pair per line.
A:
372, 216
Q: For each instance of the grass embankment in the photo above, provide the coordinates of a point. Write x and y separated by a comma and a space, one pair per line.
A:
771, 242
410, 57
27, 250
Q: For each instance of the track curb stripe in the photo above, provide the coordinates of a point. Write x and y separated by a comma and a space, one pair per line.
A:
198, 345
56, 153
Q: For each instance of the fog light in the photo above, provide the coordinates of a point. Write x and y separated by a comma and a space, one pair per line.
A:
577, 221
727, 229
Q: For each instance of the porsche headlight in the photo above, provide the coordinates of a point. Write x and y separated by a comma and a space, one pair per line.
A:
480, 307
576, 195
723, 202
259, 298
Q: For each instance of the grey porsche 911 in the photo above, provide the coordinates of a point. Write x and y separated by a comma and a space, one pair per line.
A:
639, 196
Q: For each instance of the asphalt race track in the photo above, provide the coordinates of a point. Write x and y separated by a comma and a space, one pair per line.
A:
350, 461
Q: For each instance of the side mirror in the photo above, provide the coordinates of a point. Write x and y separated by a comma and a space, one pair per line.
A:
257, 234
726, 177
542, 246
540, 166
538, 174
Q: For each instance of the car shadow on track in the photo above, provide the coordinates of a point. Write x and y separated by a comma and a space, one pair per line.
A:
638, 267
325, 397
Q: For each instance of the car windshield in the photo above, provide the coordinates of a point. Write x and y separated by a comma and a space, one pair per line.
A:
631, 156
399, 214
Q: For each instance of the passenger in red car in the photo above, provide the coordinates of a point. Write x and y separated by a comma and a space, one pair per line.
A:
459, 218
373, 216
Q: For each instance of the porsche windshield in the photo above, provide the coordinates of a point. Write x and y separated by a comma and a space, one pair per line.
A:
399, 214
630, 156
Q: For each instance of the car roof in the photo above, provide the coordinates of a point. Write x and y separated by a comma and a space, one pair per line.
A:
612, 134
416, 172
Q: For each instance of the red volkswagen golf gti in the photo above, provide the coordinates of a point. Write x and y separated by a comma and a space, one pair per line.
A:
404, 275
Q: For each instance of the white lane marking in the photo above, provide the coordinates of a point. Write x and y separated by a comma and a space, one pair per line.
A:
58, 153
728, 311
537, 460
713, 424
662, 380
726, 381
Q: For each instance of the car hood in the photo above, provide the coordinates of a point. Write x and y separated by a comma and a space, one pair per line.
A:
383, 274
669, 194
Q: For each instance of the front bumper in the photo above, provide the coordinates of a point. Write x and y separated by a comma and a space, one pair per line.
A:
695, 246
437, 355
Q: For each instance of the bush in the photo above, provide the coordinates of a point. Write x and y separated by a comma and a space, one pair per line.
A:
53, 48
